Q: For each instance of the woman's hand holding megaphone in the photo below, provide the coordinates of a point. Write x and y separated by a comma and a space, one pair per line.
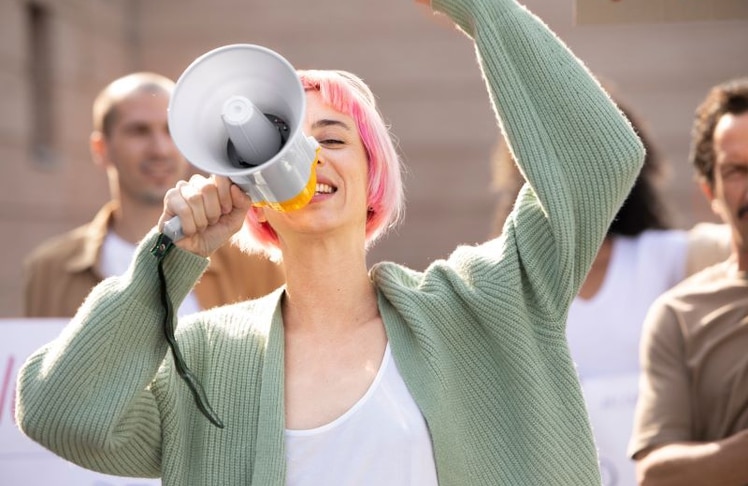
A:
210, 210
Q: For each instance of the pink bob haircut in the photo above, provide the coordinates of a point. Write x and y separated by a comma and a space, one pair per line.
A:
348, 94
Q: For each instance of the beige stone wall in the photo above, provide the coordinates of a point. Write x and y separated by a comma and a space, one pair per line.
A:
40, 197
423, 72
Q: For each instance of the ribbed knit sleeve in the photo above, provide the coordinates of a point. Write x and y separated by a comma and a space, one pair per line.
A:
480, 337
85, 395
579, 154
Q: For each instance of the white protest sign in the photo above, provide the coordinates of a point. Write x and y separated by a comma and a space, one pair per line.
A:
22, 461
611, 400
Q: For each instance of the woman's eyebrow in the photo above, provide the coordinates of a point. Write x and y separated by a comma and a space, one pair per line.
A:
326, 122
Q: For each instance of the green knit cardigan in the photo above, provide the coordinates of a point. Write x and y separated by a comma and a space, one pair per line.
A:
479, 338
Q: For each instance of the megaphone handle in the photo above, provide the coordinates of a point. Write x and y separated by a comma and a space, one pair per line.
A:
173, 229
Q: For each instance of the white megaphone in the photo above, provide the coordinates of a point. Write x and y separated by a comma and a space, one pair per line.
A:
237, 111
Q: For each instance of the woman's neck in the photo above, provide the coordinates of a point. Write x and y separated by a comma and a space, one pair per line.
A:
327, 287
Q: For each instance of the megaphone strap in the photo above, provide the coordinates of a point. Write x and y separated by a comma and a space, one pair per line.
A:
163, 246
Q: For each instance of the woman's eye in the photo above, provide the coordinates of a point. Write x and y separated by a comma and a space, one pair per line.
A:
330, 141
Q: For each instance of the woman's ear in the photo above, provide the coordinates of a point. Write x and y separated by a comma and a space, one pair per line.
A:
259, 214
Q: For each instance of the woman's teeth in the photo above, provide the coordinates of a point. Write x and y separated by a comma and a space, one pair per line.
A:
324, 189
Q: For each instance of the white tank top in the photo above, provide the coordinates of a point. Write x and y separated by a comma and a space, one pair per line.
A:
382, 439
603, 332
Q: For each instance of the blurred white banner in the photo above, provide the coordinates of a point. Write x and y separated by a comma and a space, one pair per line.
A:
22, 461
611, 400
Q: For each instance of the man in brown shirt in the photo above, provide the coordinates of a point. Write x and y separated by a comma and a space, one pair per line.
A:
691, 422
131, 143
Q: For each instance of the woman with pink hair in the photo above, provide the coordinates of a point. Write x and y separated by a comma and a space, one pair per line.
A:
346, 93
458, 375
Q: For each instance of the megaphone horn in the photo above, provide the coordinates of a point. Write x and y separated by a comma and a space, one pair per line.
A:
237, 111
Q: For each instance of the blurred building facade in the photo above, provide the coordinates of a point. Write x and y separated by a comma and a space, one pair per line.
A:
56, 54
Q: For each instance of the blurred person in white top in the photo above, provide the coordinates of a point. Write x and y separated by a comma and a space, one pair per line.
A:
642, 256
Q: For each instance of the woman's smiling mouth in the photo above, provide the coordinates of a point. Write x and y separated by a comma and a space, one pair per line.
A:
324, 189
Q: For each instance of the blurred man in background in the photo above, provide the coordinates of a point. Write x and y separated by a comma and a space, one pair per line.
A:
691, 423
131, 142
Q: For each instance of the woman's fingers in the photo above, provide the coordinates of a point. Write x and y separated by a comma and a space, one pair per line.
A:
210, 211
240, 199
176, 205
197, 203
193, 194
223, 186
